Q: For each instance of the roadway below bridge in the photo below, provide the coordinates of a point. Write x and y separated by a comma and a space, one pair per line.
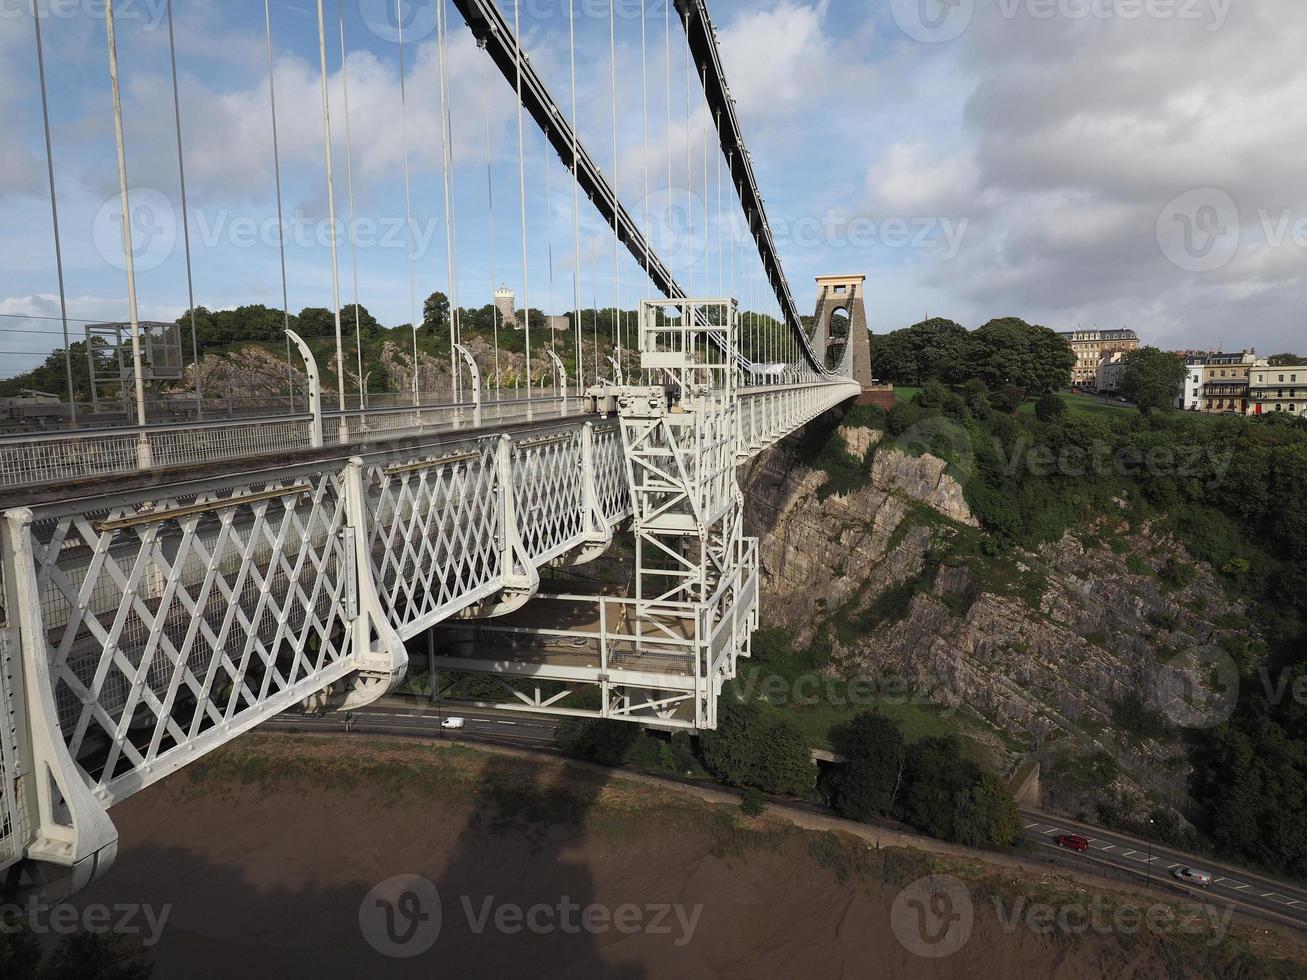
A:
1110, 854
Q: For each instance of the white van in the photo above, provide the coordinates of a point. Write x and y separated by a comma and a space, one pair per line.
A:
451, 722
1193, 876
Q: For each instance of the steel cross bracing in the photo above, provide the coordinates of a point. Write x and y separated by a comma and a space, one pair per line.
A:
147, 626
258, 569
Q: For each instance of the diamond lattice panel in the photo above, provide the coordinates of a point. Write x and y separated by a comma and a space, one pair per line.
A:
549, 494
610, 475
165, 629
434, 537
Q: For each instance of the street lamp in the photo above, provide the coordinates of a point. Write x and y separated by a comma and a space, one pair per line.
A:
1148, 865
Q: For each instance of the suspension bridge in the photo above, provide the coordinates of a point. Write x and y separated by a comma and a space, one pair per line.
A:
168, 584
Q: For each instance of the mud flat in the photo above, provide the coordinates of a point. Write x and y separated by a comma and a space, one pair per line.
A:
338, 857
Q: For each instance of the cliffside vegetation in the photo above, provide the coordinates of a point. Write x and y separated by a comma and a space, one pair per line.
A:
1231, 489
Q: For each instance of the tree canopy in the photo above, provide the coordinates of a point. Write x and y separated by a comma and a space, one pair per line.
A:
1152, 378
1007, 351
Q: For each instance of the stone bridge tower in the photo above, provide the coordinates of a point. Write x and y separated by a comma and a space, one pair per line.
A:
843, 294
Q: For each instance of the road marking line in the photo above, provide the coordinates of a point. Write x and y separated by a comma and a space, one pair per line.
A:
1029, 825
1050, 830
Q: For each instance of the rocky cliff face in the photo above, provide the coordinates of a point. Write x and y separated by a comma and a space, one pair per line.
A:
1079, 651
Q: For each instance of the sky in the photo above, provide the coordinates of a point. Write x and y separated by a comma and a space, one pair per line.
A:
1071, 162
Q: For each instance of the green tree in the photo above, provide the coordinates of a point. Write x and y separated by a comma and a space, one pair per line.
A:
936, 348
1008, 398
751, 748
949, 796
81, 955
892, 358
316, 321
367, 323
1010, 351
435, 312
51, 374
1152, 378
1286, 360
871, 778
1050, 407
600, 740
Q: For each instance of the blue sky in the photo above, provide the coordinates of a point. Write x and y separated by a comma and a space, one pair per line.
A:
1067, 161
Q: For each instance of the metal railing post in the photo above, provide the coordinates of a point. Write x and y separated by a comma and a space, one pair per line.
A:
68, 826
383, 661
315, 389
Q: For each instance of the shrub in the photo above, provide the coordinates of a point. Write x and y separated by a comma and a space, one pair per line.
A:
1008, 398
870, 779
1178, 574
753, 803
1049, 408
754, 748
599, 740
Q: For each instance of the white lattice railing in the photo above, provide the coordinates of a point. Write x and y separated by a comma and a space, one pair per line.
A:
172, 620
56, 457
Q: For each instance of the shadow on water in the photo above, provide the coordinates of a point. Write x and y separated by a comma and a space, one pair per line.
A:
504, 896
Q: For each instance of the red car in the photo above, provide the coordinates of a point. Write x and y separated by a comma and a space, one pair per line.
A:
1073, 841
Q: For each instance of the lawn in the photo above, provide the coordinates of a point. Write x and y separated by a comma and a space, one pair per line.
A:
1083, 404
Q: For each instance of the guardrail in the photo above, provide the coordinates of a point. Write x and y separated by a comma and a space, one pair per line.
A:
33, 458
